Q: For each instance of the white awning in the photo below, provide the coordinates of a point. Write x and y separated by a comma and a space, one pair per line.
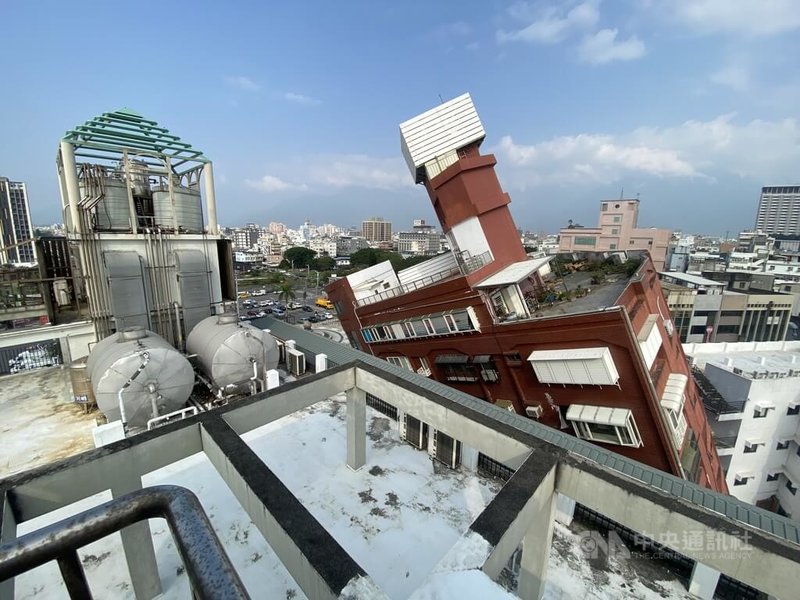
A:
745, 475
765, 404
602, 415
514, 273
673, 392
568, 354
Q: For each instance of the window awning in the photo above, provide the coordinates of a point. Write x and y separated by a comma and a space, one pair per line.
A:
745, 475
601, 415
451, 359
764, 404
672, 397
569, 354
513, 273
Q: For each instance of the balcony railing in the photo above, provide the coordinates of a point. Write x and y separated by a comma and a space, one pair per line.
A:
725, 442
210, 571
470, 264
713, 401
409, 287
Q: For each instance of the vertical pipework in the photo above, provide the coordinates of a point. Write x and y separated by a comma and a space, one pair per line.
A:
71, 183
126, 163
211, 199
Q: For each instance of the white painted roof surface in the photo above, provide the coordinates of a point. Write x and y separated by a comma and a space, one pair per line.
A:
514, 273
693, 279
568, 354
447, 127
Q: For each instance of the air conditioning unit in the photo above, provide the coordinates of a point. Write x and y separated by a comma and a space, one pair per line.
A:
295, 362
446, 449
414, 431
669, 327
534, 412
281, 352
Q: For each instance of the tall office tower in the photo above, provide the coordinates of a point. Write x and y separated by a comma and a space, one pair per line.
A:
16, 232
375, 229
779, 210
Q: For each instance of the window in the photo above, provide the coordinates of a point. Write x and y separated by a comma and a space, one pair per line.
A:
793, 410
750, 448
613, 246
408, 329
782, 445
617, 219
456, 367
697, 329
400, 361
742, 479
615, 231
583, 240
603, 424
760, 412
487, 369
773, 476
605, 206
791, 487
429, 329
424, 366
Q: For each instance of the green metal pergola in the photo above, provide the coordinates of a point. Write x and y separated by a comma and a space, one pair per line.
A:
113, 134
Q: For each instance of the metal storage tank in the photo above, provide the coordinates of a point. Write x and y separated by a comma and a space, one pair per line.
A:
162, 378
228, 351
188, 209
112, 213
82, 392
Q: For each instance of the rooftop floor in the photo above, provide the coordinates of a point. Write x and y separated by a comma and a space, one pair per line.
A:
598, 296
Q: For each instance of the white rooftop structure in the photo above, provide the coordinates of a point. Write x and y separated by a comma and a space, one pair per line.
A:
514, 273
438, 131
693, 281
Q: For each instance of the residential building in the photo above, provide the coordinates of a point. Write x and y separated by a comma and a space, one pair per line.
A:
704, 311
593, 355
423, 240
375, 229
779, 210
347, 244
617, 229
752, 396
16, 232
323, 246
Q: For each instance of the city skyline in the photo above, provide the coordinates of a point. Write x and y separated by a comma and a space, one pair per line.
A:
665, 99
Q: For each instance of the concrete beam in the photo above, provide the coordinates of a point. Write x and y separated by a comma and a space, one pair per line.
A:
731, 547
537, 541
255, 412
137, 543
484, 438
44, 489
316, 561
356, 428
704, 581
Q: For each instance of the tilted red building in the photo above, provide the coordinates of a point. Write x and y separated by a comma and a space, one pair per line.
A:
596, 357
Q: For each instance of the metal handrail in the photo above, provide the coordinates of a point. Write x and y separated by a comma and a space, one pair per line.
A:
211, 574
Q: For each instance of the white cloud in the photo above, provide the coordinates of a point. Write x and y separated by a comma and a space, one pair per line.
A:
748, 17
553, 25
356, 170
242, 83
321, 173
300, 98
735, 77
603, 47
711, 149
270, 183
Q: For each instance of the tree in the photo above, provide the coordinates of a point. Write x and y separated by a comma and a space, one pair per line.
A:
323, 263
367, 257
286, 292
297, 257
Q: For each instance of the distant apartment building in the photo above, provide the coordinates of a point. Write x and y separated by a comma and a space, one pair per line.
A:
779, 210
617, 230
751, 396
323, 246
244, 238
348, 244
423, 239
704, 311
599, 361
276, 228
375, 229
16, 231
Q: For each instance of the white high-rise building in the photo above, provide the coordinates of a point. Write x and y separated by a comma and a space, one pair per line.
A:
779, 210
16, 231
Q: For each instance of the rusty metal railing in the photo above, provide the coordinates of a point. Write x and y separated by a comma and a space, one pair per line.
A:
210, 571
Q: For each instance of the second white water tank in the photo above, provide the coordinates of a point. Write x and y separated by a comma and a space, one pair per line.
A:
228, 350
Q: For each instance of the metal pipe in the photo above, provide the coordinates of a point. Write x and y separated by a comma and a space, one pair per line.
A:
211, 199
126, 166
71, 181
178, 330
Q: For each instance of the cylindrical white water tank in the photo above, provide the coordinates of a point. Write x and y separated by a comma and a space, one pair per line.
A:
162, 378
231, 352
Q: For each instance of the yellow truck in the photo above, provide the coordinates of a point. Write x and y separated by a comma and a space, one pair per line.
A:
324, 303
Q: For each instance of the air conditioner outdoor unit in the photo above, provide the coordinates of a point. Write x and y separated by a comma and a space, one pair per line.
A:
295, 362
534, 412
414, 431
446, 449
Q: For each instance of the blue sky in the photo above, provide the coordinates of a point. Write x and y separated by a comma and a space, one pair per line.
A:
692, 104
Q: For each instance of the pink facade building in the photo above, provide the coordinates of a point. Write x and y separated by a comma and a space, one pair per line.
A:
617, 230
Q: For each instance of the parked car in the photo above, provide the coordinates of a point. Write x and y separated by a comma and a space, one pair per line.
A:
294, 305
313, 319
280, 306
328, 316
279, 313
252, 313
264, 303
307, 308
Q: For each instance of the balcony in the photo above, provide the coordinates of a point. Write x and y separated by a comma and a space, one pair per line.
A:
725, 444
713, 401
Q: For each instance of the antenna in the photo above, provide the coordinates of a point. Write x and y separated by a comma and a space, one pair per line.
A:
440, 99
622, 193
